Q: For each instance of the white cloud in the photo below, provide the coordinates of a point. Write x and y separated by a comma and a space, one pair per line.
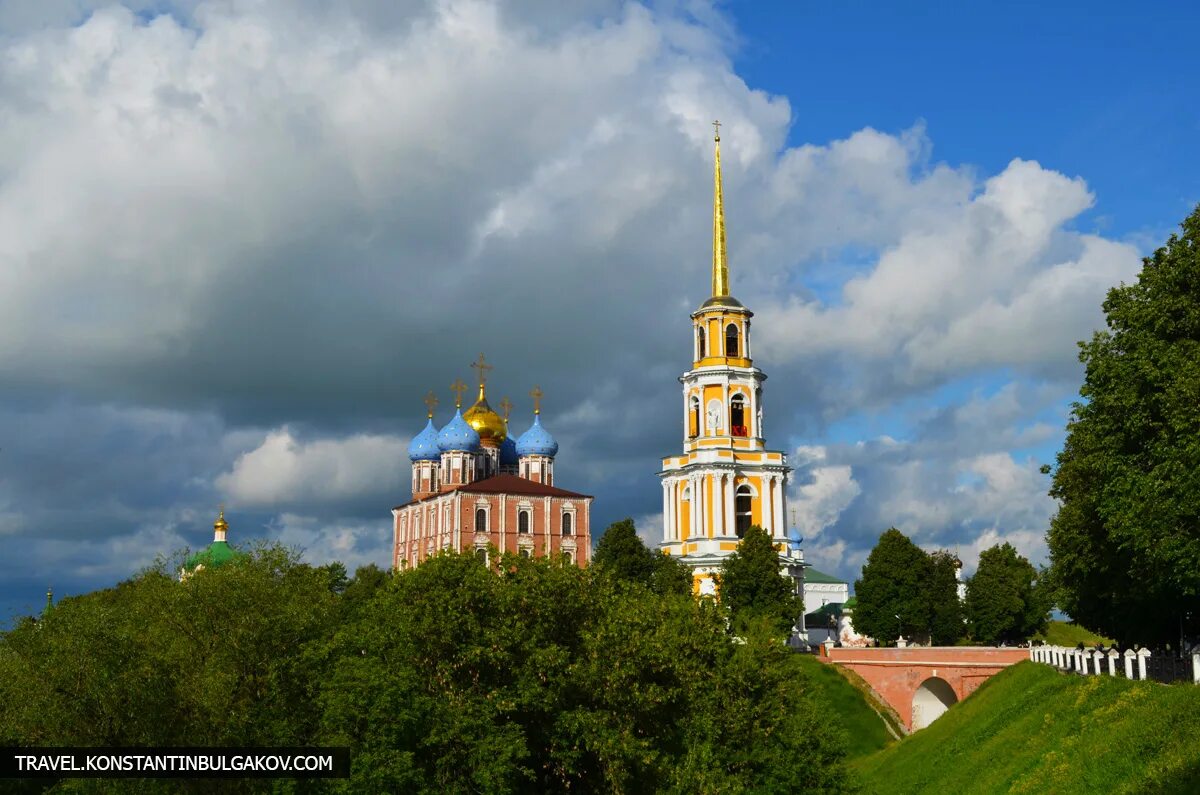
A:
283, 470
322, 541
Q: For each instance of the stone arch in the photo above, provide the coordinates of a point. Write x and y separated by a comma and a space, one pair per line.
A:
932, 699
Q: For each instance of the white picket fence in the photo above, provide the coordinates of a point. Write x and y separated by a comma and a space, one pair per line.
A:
1096, 662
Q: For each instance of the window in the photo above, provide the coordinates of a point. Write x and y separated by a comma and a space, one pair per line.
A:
743, 503
566, 524
481, 520
731, 340
570, 556
694, 418
524, 552
737, 415
481, 555
700, 341
523, 521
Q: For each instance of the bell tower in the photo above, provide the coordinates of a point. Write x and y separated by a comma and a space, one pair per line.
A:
725, 480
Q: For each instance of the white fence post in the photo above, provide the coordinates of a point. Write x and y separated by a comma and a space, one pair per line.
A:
1129, 663
1083, 661
1098, 659
1142, 655
1196, 667
1113, 654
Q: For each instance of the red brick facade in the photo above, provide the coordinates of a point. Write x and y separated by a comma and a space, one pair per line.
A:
489, 512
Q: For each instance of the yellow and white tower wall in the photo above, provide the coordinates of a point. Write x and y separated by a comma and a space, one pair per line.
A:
726, 479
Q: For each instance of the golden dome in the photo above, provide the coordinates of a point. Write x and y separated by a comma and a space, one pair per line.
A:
487, 423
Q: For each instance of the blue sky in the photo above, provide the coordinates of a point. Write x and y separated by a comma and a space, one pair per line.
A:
1091, 88
240, 241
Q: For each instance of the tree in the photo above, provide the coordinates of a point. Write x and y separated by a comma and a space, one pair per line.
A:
751, 586
1125, 543
941, 593
1003, 602
894, 583
622, 554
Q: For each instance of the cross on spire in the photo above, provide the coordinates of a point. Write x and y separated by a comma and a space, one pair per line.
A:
458, 387
716, 130
506, 407
431, 402
536, 394
482, 367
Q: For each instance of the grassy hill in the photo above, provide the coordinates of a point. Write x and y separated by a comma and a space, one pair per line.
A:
1068, 633
1031, 729
852, 704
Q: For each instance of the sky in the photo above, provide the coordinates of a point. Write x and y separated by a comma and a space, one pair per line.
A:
241, 239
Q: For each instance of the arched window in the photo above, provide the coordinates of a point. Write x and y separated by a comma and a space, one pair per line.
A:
522, 521
731, 340
743, 503
481, 555
524, 552
694, 418
737, 415
571, 556
700, 341
481, 520
566, 524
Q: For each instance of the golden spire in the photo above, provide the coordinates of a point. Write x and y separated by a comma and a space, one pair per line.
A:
482, 366
431, 402
458, 387
720, 264
536, 394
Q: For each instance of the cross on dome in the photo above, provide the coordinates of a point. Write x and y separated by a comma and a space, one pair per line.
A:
431, 402
482, 366
536, 393
458, 387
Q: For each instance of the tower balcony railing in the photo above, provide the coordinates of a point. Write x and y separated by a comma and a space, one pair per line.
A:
739, 430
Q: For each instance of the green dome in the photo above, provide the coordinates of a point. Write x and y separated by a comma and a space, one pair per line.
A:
215, 554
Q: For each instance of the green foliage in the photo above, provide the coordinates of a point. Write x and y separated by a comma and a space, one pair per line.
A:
946, 617
1004, 602
850, 705
894, 583
1068, 633
530, 676
1125, 544
751, 586
1031, 729
622, 554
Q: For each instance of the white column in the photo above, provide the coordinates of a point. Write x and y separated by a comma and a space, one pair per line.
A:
718, 503
730, 520
666, 513
1142, 655
695, 509
778, 529
1129, 663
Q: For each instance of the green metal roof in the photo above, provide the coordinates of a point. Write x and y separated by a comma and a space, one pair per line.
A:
813, 575
215, 554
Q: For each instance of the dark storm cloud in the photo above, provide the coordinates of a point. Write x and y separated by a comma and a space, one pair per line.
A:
239, 244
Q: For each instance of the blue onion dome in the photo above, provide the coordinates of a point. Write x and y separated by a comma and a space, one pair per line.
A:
424, 446
508, 452
458, 435
537, 440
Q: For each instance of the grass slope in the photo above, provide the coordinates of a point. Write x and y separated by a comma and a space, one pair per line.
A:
866, 732
1031, 729
1068, 633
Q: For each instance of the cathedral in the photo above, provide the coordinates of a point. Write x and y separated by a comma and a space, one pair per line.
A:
726, 480
475, 488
